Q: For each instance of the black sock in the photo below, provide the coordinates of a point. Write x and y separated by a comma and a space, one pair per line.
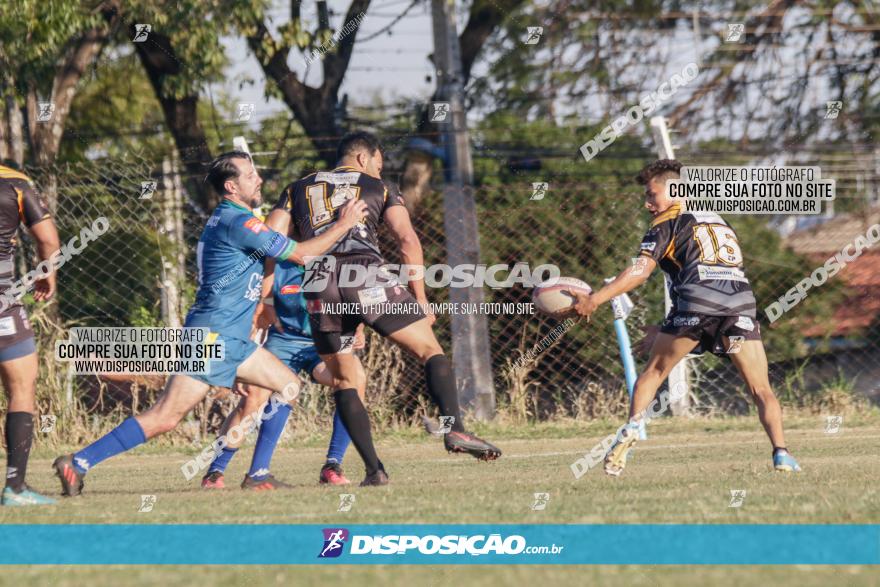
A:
19, 433
353, 414
441, 388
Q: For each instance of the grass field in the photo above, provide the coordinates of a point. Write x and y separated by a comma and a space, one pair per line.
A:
682, 474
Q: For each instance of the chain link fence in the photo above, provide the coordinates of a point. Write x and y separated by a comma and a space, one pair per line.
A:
142, 272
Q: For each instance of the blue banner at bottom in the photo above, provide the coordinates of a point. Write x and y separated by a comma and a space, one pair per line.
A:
654, 544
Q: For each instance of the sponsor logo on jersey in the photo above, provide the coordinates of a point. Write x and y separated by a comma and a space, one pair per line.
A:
255, 225
7, 326
648, 246
293, 288
254, 287
745, 323
712, 272
337, 178
686, 321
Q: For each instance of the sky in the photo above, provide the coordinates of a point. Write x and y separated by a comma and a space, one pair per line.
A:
389, 66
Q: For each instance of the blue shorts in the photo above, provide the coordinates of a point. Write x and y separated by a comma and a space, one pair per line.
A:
296, 351
18, 350
235, 352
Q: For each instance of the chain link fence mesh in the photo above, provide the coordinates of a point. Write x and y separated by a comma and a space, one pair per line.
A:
142, 272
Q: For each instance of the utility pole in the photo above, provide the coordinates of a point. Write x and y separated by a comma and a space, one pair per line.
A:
470, 332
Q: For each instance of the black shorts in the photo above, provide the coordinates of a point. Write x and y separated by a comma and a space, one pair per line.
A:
16, 334
709, 331
335, 311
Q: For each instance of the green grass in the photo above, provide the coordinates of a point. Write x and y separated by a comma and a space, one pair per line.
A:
682, 474
431, 576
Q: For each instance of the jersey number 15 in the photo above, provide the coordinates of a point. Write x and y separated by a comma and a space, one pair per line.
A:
718, 244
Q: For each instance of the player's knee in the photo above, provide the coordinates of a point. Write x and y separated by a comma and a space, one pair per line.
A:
655, 371
161, 425
762, 392
251, 404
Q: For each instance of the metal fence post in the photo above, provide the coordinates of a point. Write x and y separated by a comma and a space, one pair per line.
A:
678, 377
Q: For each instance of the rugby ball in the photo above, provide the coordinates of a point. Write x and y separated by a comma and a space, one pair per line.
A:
552, 296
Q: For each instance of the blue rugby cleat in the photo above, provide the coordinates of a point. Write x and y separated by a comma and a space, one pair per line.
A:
26, 496
783, 461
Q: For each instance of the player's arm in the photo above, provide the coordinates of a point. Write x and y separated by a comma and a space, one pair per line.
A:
35, 216
265, 316
253, 236
398, 221
628, 280
279, 218
655, 244
352, 213
279, 221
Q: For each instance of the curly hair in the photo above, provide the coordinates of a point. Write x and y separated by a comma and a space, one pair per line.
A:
657, 168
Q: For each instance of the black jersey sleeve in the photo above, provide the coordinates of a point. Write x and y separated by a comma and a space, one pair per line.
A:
392, 196
285, 202
657, 241
31, 207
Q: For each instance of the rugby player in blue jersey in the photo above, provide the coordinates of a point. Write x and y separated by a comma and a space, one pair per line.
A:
290, 339
231, 253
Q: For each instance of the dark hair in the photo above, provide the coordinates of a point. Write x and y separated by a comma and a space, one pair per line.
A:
353, 142
660, 167
222, 169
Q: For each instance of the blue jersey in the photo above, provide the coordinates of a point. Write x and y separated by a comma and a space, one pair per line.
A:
230, 257
290, 304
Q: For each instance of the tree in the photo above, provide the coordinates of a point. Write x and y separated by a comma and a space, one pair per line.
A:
45, 50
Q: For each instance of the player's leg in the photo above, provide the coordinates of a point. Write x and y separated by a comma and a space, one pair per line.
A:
667, 351
240, 420
18, 369
751, 361
266, 370
418, 339
273, 415
181, 395
331, 473
343, 366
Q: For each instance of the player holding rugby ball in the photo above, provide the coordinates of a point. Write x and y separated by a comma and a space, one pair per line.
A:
712, 305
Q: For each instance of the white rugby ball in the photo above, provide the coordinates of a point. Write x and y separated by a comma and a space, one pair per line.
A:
552, 296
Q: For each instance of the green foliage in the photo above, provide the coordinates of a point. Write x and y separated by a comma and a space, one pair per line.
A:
34, 34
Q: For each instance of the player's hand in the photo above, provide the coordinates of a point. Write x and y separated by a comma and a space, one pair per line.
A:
265, 318
360, 340
584, 304
240, 389
44, 289
352, 213
643, 347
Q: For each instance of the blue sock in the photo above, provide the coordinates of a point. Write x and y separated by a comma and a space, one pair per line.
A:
124, 437
221, 461
339, 441
270, 432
